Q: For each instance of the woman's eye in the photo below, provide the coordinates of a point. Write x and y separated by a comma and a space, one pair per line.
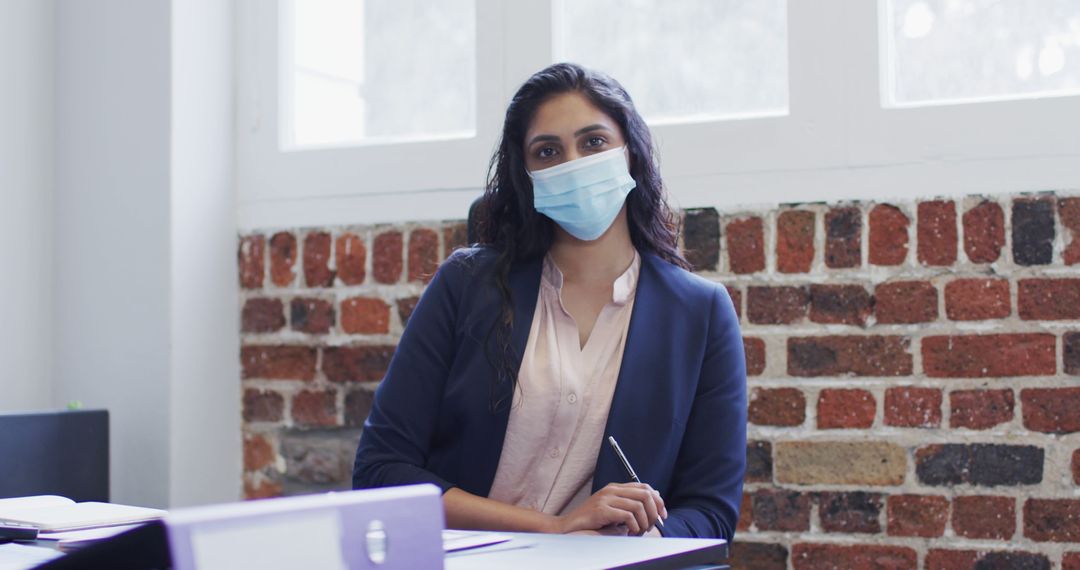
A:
546, 152
594, 142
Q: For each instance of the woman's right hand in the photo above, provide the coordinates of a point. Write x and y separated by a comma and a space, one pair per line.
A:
635, 505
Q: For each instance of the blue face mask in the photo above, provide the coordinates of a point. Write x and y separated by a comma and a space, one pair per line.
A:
584, 195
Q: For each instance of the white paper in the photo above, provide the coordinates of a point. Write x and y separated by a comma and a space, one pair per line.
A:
81, 515
20, 557
33, 502
455, 540
301, 540
86, 534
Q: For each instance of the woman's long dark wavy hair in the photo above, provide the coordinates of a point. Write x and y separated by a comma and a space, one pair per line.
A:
508, 222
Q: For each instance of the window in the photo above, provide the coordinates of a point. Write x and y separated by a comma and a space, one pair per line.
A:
941, 51
370, 111
378, 71
700, 61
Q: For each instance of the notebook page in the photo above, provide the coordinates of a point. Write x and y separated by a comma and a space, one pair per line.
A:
33, 502
82, 515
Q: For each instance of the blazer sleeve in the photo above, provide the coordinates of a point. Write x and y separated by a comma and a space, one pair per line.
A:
708, 477
396, 439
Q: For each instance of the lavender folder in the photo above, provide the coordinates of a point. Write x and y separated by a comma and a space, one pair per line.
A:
391, 528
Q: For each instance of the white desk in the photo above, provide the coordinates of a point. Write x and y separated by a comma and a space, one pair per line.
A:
571, 552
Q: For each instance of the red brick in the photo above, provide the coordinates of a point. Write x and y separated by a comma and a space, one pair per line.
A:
805, 556
855, 512
356, 363
317, 272
917, 515
313, 316
913, 407
977, 516
980, 409
358, 405
1048, 299
1051, 410
262, 490
736, 299
888, 235
989, 356
250, 257
938, 559
746, 513
1071, 561
423, 254
1033, 231
314, 408
1076, 466
905, 302
1071, 347
849, 355
387, 262
258, 452
782, 510
839, 409
746, 555
755, 356
455, 236
262, 315
777, 407
840, 304
843, 238
984, 232
746, 245
1069, 213
351, 257
781, 305
406, 306
1052, 520
759, 462
937, 233
701, 238
977, 299
282, 258
263, 406
278, 362
794, 241
364, 315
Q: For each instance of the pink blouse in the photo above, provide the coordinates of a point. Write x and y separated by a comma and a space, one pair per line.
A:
560, 408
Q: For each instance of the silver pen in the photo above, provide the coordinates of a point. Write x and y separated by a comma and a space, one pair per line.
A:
629, 470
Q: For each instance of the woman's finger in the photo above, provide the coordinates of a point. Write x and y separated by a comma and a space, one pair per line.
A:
635, 507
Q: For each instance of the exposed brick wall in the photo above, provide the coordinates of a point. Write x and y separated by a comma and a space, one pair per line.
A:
322, 310
919, 403
914, 371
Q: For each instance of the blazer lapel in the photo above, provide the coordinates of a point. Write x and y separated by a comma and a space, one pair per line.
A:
641, 390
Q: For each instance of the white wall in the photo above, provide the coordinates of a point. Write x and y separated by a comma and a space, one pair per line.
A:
146, 294
112, 230
206, 454
26, 43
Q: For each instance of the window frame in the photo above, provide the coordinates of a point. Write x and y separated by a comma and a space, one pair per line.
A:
838, 141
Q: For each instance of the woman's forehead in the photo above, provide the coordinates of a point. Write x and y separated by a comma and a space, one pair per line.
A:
565, 113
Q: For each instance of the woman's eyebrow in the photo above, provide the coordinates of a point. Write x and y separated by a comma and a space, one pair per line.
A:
590, 128
539, 138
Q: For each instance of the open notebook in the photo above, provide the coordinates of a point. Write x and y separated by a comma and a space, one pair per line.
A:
52, 513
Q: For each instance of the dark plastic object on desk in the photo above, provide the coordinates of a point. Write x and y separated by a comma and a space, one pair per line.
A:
62, 453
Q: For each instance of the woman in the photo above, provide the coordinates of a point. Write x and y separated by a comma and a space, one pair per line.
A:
575, 319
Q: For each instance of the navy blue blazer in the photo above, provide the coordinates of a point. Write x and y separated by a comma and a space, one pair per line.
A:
679, 408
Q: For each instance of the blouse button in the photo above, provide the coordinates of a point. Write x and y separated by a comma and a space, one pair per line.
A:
571, 398
554, 452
